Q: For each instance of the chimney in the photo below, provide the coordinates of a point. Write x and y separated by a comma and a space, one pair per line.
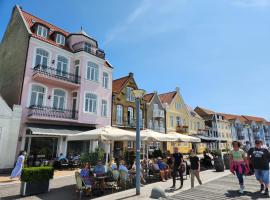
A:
130, 74
177, 89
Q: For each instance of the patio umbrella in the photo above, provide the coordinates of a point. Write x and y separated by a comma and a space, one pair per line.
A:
153, 136
185, 138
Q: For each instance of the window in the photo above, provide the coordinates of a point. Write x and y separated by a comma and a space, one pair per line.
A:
90, 103
130, 145
178, 121
42, 31
177, 106
87, 47
42, 58
60, 39
119, 114
104, 108
129, 94
92, 71
198, 125
130, 116
62, 63
155, 106
37, 96
59, 99
171, 120
105, 82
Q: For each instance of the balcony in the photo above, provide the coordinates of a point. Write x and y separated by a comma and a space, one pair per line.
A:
182, 129
131, 124
240, 137
157, 113
53, 76
159, 129
49, 113
82, 46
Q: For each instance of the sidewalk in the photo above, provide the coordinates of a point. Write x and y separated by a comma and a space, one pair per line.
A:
206, 176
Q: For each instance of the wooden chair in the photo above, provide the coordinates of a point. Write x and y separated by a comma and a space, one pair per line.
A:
80, 184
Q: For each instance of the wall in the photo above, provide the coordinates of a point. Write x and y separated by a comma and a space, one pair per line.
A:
9, 131
13, 51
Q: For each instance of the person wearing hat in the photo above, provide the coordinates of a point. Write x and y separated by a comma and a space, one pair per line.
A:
259, 157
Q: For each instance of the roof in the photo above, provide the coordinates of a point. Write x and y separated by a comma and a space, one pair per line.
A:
206, 111
193, 112
167, 97
255, 119
234, 117
31, 20
148, 97
118, 84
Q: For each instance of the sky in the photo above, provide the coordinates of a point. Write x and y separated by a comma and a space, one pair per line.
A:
216, 51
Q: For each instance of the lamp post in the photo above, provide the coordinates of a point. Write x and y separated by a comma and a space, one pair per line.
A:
138, 94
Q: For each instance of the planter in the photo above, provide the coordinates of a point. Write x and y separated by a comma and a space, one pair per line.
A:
219, 164
226, 159
33, 188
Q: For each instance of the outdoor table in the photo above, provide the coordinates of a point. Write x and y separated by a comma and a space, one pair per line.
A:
100, 180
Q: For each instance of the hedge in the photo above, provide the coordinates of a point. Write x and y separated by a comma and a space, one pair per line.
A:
37, 174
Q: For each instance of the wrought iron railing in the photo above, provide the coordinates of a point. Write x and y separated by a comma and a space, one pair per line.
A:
80, 46
50, 112
58, 74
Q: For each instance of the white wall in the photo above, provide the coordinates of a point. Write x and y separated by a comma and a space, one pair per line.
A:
9, 131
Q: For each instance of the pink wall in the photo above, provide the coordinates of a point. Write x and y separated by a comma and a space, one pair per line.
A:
85, 85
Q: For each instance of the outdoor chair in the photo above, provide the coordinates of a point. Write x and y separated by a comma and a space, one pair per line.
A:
113, 182
124, 180
80, 184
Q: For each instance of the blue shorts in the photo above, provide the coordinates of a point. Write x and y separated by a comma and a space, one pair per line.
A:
262, 175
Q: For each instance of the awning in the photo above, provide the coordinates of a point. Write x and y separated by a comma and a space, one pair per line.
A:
55, 130
185, 138
206, 138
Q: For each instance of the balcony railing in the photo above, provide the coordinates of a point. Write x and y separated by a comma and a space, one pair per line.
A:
131, 124
80, 46
240, 137
49, 112
54, 73
157, 113
182, 129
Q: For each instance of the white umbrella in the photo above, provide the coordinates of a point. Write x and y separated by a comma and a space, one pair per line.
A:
152, 136
185, 138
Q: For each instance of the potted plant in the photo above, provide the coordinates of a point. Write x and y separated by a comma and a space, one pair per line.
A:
35, 180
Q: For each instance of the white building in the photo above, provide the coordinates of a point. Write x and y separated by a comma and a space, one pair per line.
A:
9, 132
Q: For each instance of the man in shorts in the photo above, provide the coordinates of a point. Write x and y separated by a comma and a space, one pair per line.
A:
259, 158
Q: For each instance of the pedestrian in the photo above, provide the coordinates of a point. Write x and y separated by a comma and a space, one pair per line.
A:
237, 163
194, 167
259, 158
16, 172
177, 167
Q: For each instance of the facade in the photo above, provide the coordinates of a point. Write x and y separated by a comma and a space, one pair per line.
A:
9, 132
219, 129
177, 118
154, 115
63, 82
124, 110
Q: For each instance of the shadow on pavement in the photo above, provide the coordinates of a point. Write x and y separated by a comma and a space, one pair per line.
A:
252, 195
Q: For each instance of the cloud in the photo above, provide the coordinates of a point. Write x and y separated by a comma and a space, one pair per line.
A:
252, 3
148, 18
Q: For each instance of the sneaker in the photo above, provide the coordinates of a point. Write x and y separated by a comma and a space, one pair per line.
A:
266, 192
262, 188
242, 189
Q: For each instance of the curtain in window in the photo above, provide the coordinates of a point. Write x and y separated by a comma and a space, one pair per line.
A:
42, 58
61, 66
37, 95
59, 97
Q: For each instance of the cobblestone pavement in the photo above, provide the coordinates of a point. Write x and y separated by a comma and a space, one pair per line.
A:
223, 188
64, 188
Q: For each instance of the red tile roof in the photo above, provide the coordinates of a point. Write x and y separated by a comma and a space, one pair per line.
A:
31, 20
118, 84
148, 97
167, 97
206, 111
234, 117
255, 119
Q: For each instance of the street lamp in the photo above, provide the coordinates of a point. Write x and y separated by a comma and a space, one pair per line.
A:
138, 94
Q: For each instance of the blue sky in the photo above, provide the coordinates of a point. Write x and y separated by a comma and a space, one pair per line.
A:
217, 52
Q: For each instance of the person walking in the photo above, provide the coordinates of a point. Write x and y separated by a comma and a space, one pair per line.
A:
237, 163
259, 158
194, 167
177, 167
16, 172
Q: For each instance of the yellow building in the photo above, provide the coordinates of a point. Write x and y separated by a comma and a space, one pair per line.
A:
177, 118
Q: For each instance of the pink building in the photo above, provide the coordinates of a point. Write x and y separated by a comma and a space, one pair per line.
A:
62, 81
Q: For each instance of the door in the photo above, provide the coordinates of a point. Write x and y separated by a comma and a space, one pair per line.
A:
77, 74
74, 102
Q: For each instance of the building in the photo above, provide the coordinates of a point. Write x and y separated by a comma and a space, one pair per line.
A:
124, 110
9, 132
196, 128
154, 115
219, 128
62, 81
177, 118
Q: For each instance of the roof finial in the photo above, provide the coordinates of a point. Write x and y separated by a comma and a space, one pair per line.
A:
81, 29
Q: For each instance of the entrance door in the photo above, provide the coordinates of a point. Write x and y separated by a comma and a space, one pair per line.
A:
77, 74
74, 103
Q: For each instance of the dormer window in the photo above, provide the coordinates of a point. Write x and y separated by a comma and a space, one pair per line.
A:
87, 47
42, 31
60, 39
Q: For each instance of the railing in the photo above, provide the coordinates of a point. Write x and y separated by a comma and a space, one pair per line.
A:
157, 113
80, 46
131, 124
45, 111
58, 74
182, 129
240, 137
